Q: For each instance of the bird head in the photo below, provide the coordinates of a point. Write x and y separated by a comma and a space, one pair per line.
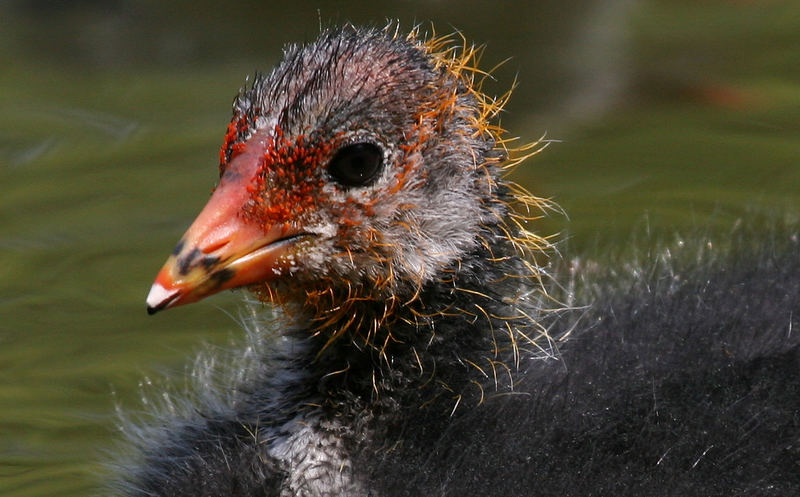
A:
360, 169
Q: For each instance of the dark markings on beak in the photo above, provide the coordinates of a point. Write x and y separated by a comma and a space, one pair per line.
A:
185, 263
209, 262
221, 276
179, 247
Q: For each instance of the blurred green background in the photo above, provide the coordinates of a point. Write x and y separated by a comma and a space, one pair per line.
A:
671, 115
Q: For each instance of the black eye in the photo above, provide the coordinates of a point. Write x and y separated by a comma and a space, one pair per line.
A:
356, 165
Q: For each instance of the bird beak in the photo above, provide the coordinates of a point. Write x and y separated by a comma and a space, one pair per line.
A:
223, 249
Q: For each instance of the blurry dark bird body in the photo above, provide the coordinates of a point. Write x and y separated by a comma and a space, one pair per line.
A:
680, 379
423, 355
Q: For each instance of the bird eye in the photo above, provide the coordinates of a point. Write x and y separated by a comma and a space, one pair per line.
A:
356, 165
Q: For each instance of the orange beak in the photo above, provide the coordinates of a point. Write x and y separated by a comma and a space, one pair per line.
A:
222, 249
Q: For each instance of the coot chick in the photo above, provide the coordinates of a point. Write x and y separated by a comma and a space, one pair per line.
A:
412, 353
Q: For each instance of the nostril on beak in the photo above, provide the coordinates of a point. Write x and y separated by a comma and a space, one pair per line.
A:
216, 246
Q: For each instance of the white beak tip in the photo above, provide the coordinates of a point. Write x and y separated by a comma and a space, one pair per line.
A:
160, 298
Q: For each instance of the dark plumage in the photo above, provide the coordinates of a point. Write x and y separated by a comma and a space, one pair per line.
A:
362, 190
680, 379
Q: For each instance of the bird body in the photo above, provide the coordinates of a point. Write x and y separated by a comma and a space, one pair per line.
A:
414, 349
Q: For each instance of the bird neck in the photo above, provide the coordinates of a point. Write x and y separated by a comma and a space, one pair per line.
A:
327, 392
456, 332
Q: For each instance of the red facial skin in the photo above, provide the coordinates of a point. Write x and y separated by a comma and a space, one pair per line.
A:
250, 225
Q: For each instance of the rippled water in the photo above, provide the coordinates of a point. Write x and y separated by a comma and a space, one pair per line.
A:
671, 115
